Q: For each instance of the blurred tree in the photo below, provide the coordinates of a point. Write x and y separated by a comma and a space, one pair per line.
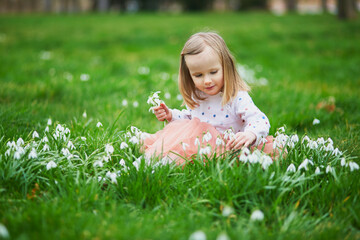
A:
291, 5
199, 5
251, 4
346, 9
103, 5
46, 5
149, 5
324, 6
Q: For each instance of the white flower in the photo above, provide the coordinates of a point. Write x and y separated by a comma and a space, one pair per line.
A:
135, 104
49, 122
219, 142
123, 145
109, 149
329, 147
124, 102
17, 155
353, 166
164, 76
167, 95
3, 232
304, 165
100, 179
106, 158
343, 162
321, 141
35, 134
306, 138
294, 138
33, 153
51, 165
143, 70
317, 170
84, 114
134, 140
83, 138
229, 134
266, 161
244, 155
337, 152
329, 169
136, 165
179, 97
20, 142
45, 55
84, 77
122, 162
184, 146
197, 141
263, 140
205, 151
257, 215
281, 130
254, 157
291, 168
207, 137
99, 124
154, 100
316, 121
46, 148
198, 235
98, 163
329, 140
65, 152
112, 176
45, 139
71, 145
312, 145
223, 236
8, 152
47, 129
227, 211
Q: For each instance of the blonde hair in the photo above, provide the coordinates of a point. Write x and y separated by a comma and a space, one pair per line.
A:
232, 80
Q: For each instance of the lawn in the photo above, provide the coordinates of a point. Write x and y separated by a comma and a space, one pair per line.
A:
92, 74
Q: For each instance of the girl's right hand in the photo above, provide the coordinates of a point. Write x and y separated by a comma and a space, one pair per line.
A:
162, 112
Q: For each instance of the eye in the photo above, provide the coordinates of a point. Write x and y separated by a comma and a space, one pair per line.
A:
198, 75
214, 72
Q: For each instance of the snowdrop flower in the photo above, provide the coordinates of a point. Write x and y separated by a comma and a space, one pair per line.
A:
197, 142
49, 122
71, 145
219, 142
329, 169
317, 170
304, 165
167, 95
198, 235
329, 147
164, 76
312, 145
124, 102
306, 138
98, 163
45, 55
20, 142
100, 179
229, 134
337, 152
8, 152
266, 161
134, 140
294, 138
316, 121
35, 134
281, 129
154, 100
17, 155
68, 76
106, 158
84, 114
184, 146
329, 140
205, 151
143, 70
179, 97
99, 124
321, 141
83, 138
122, 162
32, 153
353, 166
65, 152
46, 148
84, 77
257, 215
45, 139
244, 155
291, 168
112, 176
51, 165
263, 140
109, 149
222, 236
207, 137
4, 232
227, 211
254, 157
135, 104
123, 145
136, 165
47, 129
343, 162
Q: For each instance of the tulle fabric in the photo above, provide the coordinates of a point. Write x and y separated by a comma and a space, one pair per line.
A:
177, 141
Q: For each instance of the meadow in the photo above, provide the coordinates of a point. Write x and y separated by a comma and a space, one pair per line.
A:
73, 106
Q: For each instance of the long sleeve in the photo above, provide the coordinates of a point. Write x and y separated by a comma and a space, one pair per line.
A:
251, 117
180, 114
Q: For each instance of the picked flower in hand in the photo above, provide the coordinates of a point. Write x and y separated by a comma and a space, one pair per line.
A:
154, 100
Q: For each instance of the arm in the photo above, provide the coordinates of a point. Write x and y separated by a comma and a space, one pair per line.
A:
163, 113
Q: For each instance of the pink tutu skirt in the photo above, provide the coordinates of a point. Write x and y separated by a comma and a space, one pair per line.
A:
182, 139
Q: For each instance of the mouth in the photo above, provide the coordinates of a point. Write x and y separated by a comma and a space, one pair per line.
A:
209, 88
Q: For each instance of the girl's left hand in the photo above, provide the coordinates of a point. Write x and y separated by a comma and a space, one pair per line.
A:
241, 139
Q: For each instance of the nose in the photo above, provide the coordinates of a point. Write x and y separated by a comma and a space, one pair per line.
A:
207, 80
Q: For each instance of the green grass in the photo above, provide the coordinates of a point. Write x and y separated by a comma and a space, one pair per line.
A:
306, 60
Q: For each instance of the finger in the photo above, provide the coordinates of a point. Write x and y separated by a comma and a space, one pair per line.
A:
239, 144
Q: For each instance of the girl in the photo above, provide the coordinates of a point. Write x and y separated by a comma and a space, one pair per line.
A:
217, 103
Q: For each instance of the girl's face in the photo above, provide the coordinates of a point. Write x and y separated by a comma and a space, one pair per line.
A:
206, 71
